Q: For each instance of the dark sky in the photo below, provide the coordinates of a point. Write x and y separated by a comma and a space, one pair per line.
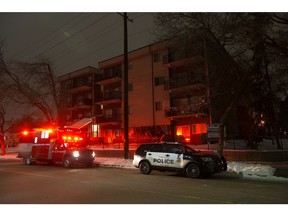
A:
72, 40
75, 40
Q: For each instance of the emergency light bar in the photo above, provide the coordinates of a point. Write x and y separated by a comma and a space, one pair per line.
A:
72, 139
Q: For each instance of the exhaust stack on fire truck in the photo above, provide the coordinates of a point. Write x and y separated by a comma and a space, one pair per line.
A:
61, 145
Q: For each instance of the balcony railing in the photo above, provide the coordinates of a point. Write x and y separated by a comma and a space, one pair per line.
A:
182, 55
185, 81
109, 97
185, 110
81, 88
86, 103
109, 119
112, 76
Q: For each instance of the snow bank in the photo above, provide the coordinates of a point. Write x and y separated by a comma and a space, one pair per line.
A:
244, 170
254, 171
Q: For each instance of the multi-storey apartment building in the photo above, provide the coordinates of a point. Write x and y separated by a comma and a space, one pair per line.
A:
168, 93
78, 91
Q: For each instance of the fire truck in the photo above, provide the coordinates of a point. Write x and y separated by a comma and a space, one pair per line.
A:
61, 145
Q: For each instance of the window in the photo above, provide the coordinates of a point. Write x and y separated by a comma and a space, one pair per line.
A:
173, 149
156, 57
199, 128
108, 113
159, 81
130, 87
158, 105
156, 148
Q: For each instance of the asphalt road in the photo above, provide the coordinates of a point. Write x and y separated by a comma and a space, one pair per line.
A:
43, 184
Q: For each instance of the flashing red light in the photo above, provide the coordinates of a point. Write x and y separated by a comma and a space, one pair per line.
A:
25, 133
72, 139
50, 130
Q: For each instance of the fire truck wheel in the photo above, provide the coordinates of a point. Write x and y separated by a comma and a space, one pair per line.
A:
89, 164
67, 163
28, 161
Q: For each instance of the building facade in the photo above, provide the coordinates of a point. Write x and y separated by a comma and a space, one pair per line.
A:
168, 94
78, 92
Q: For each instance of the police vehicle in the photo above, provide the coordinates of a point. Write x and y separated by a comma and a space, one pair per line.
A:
177, 157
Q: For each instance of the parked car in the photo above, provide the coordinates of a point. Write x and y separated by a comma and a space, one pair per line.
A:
177, 157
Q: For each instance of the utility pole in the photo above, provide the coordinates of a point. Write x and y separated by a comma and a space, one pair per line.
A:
126, 104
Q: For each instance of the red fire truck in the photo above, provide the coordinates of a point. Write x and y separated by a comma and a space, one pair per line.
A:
61, 145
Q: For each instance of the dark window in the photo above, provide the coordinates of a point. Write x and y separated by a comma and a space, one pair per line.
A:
158, 105
130, 87
173, 149
156, 148
143, 149
156, 57
159, 80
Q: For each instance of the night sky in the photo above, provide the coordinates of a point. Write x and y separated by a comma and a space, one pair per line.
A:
74, 35
72, 40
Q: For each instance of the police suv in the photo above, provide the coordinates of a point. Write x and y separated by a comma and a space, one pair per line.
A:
177, 157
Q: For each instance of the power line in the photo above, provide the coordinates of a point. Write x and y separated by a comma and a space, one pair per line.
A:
81, 30
101, 49
106, 46
29, 48
89, 39
93, 38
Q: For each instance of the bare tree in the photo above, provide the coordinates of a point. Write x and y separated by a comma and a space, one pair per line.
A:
33, 84
241, 40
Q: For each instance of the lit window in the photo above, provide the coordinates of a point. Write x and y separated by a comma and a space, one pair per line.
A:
199, 128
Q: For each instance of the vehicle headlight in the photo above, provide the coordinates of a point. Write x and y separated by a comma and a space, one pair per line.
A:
93, 154
206, 159
76, 154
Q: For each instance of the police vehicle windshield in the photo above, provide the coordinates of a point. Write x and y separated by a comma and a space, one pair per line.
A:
189, 150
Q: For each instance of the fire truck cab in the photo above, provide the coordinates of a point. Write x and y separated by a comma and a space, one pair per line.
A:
61, 145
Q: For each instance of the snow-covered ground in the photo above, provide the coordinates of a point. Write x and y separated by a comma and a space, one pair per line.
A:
244, 170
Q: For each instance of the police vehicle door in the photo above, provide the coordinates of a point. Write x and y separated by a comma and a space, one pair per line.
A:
174, 155
155, 155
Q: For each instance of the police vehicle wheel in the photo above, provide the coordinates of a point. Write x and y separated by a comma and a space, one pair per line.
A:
193, 171
67, 163
145, 168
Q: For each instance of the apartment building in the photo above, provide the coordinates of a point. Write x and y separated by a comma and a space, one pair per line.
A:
78, 92
168, 93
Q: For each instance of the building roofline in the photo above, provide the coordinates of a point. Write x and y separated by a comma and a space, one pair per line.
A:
77, 73
132, 51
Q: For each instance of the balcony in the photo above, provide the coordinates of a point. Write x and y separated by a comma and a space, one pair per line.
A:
109, 98
187, 110
109, 120
180, 58
186, 82
80, 88
109, 78
84, 104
